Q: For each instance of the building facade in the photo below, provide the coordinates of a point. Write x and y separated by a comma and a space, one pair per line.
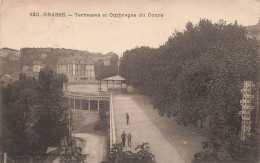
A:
11, 54
104, 58
37, 66
76, 68
10, 61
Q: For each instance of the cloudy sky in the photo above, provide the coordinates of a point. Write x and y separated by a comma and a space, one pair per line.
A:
104, 34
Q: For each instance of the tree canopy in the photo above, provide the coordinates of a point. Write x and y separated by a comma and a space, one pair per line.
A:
34, 114
103, 71
198, 73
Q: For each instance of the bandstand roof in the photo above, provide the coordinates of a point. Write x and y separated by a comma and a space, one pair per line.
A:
115, 78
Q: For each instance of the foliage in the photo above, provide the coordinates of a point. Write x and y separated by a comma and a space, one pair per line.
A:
11, 67
143, 154
103, 71
22, 76
73, 153
102, 116
33, 114
103, 123
116, 151
198, 73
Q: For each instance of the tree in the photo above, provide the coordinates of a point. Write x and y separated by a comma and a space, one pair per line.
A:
34, 114
73, 153
143, 154
103, 71
52, 124
198, 73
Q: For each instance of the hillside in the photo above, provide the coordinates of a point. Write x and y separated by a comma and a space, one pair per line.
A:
49, 56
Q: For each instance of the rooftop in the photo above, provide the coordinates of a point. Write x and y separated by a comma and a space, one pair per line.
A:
9, 49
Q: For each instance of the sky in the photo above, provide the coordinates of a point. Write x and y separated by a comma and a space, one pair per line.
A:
111, 34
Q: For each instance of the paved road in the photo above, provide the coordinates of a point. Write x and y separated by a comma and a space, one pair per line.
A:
169, 142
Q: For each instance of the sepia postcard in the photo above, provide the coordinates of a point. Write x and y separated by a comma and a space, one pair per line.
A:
130, 81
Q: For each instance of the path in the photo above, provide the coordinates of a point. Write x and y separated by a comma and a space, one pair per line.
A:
95, 146
169, 142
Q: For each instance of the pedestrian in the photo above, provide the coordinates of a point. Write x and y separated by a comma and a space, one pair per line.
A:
123, 138
129, 139
127, 118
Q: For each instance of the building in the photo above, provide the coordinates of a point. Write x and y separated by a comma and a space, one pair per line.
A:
105, 58
11, 54
246, 109
43, 55
76, 68
33, 70
37, 66
26, 68
9, 61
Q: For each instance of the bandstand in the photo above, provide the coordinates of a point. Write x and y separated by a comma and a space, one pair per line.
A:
115, 83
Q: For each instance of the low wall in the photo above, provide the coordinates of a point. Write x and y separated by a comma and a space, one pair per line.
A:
112, 124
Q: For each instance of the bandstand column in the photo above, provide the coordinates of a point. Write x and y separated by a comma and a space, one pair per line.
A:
88, 104
74, 104
98, 105
81, 104
113, 85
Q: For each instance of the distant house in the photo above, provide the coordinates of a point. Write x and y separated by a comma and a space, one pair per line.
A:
43, 55
9, 61
37, 66
26, 68
76, 68
11, 54
105, 58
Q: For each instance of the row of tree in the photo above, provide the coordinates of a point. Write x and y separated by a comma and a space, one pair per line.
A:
34, 114
103, 71
198, 74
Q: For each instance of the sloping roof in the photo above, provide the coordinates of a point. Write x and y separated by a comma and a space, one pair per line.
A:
10, 49
115, 78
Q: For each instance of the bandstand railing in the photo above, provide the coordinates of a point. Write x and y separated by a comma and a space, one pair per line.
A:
101, 94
